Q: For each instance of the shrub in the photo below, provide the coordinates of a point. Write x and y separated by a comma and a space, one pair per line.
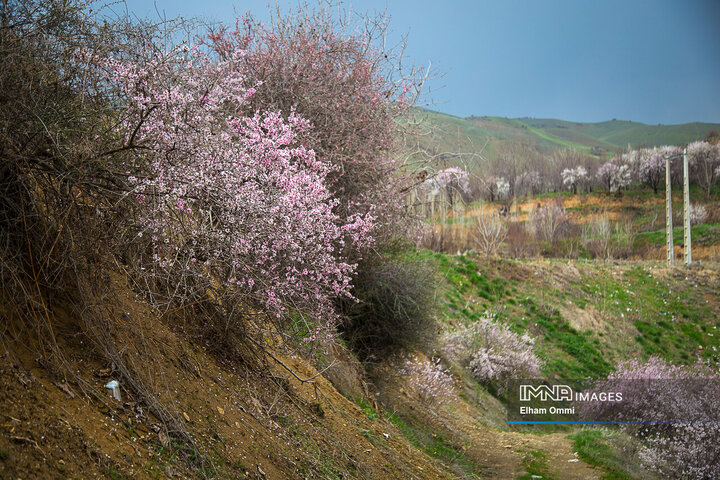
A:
59, 185
64, 194
597, 238
490, 232
520, 240
550, 222
698, 214
432, 383
394, 308
491, 351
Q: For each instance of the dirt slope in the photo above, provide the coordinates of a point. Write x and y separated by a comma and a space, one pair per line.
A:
253, 419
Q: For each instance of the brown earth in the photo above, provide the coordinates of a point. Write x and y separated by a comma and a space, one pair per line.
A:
271, 418
240, 420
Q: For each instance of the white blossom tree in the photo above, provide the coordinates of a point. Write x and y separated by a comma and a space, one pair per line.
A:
572, 177
705, 163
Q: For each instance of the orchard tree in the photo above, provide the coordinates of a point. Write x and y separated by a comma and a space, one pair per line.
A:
705, 161
502, 188
605, 174
558, 162
528, 183
572, 177
614, 177
451, 181
651, 165
677, 434
489, 186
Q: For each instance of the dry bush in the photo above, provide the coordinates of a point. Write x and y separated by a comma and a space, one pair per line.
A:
713, 214
64, 209
597, 238
520, 241
550, 222
395, 307
698, 214
490, 232
433, 383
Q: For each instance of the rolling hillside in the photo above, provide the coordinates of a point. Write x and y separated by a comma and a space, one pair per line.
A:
447, 135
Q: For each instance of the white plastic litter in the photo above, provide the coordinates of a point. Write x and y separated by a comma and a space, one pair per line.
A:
114, 388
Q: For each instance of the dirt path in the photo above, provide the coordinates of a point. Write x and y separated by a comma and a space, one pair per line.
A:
500, 455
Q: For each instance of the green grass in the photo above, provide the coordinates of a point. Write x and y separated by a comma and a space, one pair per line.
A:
705, 234
368, 409
594, 448
464, 278
568, 353
535, 465
473, 289
455, 134
435, 444
672, 318
620, 133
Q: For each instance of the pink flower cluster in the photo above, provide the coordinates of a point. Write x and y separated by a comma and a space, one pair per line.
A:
337, 81
231, 197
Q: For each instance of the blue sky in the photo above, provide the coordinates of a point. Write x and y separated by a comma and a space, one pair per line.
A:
653, 61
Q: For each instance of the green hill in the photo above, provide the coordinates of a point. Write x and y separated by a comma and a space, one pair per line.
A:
621, 133
446, 136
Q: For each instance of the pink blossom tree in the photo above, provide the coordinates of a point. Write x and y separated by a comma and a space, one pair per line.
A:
351, 90
651, 165
613, 176
450, 182
234, 208
676, 410
492, 352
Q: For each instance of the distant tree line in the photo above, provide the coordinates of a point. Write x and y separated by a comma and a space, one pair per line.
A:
520, 171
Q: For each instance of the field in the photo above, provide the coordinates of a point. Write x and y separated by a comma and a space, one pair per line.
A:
630, 225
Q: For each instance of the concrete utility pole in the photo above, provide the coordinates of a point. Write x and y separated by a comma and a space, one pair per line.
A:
686, 210
668, 215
